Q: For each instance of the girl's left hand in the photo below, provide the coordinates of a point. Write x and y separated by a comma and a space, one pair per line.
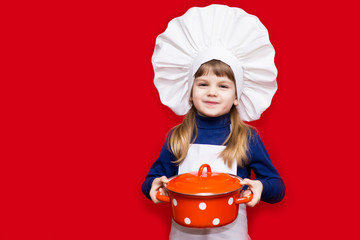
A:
254, 186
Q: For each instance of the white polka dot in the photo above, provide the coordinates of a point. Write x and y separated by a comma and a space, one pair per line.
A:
187, 220
231, 201
174, 202
216, 221
202, 206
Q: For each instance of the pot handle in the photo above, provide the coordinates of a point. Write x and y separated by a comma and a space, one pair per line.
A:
244, 199
162, 198
201, 169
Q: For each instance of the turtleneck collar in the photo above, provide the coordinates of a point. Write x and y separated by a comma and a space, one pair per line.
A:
212, 122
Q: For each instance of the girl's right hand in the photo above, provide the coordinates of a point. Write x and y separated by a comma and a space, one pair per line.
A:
158, 185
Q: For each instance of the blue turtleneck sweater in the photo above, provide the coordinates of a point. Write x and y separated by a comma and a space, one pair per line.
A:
214, 131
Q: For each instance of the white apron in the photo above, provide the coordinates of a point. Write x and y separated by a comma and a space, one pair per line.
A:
199, 154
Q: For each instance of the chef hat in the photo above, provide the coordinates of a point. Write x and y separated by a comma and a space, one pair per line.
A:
216, 32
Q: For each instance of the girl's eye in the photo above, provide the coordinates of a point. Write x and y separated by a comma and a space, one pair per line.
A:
202, 84
224, 86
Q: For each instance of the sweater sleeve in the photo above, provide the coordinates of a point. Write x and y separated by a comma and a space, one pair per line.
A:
163, 166
264, 170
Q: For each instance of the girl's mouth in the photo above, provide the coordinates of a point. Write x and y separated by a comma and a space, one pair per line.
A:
211, 102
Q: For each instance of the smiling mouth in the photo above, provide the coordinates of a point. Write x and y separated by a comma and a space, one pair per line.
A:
211, 102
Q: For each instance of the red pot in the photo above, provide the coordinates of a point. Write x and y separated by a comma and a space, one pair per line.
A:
204, 200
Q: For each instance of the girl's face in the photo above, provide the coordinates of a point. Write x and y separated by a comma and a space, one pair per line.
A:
213, 96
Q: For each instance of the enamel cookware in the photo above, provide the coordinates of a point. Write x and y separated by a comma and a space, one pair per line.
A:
204, 199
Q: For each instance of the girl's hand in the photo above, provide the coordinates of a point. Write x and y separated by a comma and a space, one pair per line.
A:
254, 186
158, 185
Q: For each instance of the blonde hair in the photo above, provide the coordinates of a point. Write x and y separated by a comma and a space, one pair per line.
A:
185, 133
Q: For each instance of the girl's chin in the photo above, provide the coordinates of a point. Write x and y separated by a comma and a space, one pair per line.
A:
210, 114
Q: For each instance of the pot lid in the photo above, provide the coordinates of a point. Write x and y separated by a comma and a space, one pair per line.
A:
204, 183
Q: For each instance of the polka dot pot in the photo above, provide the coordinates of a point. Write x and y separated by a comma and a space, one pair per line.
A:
204, 200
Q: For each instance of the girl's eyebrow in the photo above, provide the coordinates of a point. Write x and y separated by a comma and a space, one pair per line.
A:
225, 80
200, 79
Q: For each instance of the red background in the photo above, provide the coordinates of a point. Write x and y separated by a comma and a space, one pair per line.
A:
82, 121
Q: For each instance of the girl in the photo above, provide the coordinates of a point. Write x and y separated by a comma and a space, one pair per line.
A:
216, 90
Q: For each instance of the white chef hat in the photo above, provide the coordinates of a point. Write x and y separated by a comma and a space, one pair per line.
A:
216, 32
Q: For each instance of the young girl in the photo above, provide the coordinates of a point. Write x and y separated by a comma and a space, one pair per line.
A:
217, 87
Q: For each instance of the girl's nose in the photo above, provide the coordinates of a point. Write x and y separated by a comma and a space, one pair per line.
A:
212, 91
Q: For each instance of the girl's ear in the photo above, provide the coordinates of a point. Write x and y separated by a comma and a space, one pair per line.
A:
236, 102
